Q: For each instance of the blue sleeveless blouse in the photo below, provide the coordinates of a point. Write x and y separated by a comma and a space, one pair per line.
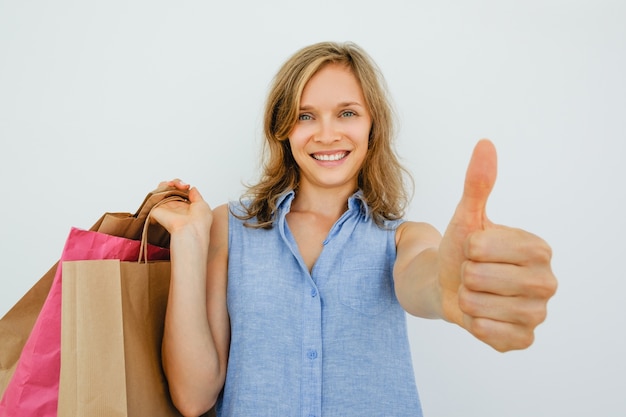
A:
328, 343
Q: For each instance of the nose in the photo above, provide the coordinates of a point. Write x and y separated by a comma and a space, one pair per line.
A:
328, 132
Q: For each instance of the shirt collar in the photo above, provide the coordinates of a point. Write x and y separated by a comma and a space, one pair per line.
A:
284, 201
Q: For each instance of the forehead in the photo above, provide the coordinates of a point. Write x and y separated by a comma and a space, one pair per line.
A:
332, 81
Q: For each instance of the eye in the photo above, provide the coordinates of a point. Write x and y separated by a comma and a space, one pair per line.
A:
304, 117
348, 113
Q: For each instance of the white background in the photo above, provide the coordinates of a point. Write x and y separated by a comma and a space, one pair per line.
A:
99, 101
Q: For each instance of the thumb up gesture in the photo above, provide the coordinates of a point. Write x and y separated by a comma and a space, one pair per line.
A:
495, 281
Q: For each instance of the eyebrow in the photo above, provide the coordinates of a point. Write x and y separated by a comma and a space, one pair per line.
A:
342, 104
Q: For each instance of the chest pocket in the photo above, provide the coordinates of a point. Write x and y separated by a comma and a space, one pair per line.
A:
368, 290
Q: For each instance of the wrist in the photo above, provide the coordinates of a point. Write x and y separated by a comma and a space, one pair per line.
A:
190, 238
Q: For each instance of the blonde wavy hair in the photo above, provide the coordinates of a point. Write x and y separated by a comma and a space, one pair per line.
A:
381, 178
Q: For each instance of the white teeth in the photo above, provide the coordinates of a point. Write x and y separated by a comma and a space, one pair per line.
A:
332, 157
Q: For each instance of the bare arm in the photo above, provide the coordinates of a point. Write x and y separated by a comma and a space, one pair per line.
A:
416, 270
197, 331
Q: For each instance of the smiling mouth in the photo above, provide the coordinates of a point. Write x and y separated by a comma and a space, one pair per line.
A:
330, 157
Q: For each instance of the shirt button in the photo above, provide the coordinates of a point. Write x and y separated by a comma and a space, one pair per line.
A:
313, 292
311, 354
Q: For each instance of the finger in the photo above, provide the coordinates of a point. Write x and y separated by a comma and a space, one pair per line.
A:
175, 183
495, 278
526, 311
194, 195
507, 245
501, 336
479, 181
533, 282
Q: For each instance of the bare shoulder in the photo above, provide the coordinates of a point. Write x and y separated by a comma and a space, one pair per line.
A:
219, 230
417, 235
220, 213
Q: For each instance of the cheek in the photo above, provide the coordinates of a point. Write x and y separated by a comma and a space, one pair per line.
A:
360, 133
298, 136
296, 146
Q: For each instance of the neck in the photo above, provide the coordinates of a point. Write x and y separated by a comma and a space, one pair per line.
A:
329, 202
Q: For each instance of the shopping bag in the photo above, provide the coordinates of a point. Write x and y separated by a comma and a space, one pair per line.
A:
112, 320
16, 324
32, 388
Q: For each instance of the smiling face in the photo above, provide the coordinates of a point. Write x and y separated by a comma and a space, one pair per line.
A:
329, 141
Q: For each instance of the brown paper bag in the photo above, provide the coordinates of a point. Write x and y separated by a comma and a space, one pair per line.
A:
131, 226
17, 324
112, 320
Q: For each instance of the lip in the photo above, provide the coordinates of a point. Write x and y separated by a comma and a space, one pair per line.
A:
330, 156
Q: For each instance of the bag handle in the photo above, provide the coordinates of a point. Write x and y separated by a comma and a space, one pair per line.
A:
130, 226
143, 250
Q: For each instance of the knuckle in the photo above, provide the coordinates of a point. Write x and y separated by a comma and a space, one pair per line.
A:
467, 301
539, 250
481, 329
475, 247
545, 285
537, 316
525, 340
469, 275
552, 285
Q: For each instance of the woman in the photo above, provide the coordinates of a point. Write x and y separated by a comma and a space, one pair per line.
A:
291, 301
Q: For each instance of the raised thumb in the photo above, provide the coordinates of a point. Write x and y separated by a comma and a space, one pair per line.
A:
479, 181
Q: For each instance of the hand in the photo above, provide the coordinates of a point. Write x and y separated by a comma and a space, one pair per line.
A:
495, 280
176, 216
